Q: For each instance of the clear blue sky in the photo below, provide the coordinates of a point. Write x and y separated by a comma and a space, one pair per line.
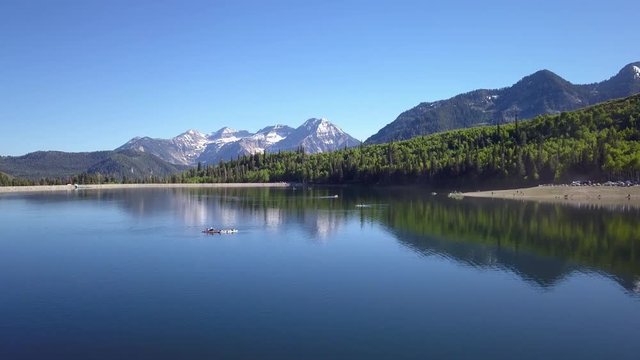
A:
89, 75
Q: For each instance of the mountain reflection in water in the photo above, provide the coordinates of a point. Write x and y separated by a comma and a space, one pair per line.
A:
541, 243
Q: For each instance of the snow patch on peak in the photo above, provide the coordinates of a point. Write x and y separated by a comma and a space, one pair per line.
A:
324, 127
272, 134
273, 127
636, 72
273, 137
317, 125
133, 140
192, 135
225, 132
314, 122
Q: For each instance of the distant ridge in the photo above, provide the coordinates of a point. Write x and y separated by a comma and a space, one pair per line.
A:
542, 92
130, 164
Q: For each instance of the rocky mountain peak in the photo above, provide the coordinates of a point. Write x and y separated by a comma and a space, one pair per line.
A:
631, 71
315, 122
279, 128
190, 135
317, 135
224, 132
624, 83
542, 78
192, 132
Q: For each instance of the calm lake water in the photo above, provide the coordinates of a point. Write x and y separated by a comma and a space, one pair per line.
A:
371, 274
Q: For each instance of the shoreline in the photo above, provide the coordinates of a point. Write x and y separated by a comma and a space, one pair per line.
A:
564, 194
603, 195
69, 187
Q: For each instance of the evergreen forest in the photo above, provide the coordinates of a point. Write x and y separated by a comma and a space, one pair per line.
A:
598, 143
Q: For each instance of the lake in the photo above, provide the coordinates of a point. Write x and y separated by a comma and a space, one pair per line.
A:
369, 274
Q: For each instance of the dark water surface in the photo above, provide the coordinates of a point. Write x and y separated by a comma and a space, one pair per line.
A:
372, 274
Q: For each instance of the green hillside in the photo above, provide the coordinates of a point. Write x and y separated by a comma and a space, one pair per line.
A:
50, 164
540, 93
53, 167
132, 165
600, 143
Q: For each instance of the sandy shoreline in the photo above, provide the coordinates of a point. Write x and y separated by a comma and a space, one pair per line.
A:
51, 188
567, 194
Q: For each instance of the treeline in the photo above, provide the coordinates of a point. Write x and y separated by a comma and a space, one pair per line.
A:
84, 178
6, 180
598, 143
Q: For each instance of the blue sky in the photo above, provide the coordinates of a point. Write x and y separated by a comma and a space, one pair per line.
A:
89, 75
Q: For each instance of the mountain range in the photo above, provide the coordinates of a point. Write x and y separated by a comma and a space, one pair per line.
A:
142, 157
542, 92
192, 147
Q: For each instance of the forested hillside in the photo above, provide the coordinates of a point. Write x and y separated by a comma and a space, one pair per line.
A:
50, 164
132, 165
57, 167
600, 142
537, 94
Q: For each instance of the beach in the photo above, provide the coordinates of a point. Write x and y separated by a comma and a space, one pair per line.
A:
69, 187
567, 194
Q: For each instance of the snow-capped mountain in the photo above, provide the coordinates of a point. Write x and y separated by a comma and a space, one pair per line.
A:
248, 144
191, 147
316, 136
182, 149
218, 140
191, 144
